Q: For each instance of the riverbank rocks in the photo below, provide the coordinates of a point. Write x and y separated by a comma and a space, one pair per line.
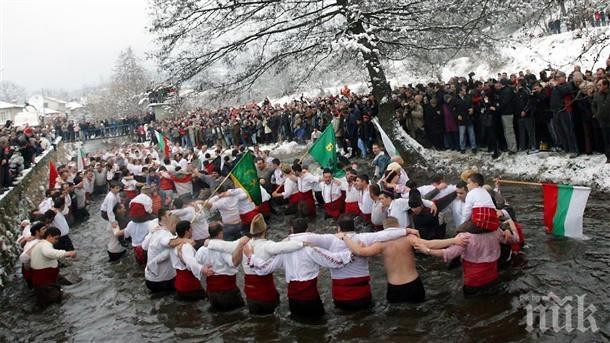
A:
18, 201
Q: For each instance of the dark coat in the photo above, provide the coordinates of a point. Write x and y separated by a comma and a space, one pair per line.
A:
601, 108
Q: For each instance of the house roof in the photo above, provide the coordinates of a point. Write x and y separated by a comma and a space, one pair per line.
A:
6, 105
74, 105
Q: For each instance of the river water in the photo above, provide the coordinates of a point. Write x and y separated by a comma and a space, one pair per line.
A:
112, 304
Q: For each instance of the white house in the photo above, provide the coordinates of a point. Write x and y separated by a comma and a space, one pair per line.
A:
46, 102
8, 111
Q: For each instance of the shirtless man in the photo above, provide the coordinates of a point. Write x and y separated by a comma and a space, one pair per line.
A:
404, 284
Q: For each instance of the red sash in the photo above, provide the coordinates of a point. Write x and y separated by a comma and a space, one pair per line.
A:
140, 254
27, 274
334, 208
351, 289
516, 247
221, 283
137, 212
131, 194
479, 274
246, 218
485, 218
353, 208
260, 288
43, 277
264, 208
186, 282
308, 198
294, 199
303, 290
367, 217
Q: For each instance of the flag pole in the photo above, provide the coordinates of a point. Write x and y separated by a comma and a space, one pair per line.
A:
314, 143
522, 183
226, 177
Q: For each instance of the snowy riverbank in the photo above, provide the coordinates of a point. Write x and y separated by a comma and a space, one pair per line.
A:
584, 170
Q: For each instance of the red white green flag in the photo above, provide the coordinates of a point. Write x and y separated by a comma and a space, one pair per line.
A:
564, 206
163, 142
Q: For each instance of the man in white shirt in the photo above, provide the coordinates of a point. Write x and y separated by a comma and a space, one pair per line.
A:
301, 270
195, 214
399, 208
334, 203
56, 218
261, 295
228, 206
305, 185
351, 193
351, 288
45, 268
288, 190
222, 287
365, 202
159, 272
188, 286
111, 199
36, 232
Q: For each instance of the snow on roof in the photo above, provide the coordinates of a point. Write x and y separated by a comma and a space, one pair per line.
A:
73, 105
5, 105
54, 99
50, 111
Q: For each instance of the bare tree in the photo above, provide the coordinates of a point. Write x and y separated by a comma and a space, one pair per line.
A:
12, 92
250, 37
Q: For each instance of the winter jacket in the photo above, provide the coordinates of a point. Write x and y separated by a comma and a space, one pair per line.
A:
601, 108
522, 103
561, 98
460, 107
433, 119
506, 97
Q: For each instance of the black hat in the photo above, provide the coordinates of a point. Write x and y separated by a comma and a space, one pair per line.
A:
415, 198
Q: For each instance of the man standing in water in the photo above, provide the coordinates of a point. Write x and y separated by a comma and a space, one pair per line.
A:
301, 268
159, 271
404, 284
261, 295
45, 268
223, 292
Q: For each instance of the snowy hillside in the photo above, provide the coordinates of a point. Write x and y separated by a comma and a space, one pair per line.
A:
522, 52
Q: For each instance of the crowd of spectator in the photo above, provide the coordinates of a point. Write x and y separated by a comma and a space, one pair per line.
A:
73, 130
579, 19
527, 112
19, 147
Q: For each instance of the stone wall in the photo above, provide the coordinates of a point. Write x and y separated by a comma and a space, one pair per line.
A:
18, 201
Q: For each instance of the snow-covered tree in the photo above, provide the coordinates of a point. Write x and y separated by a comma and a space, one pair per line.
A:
247, 38
129, 83
12, 92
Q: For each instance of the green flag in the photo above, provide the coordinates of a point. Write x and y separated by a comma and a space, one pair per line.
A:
324, 151
244, 176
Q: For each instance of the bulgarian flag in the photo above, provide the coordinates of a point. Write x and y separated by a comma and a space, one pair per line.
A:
564, 206
244, 176
163, 143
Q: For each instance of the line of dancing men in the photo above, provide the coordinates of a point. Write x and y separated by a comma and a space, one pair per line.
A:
182, 247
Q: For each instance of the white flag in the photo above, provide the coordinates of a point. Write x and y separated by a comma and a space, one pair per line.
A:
387, 143
80, 165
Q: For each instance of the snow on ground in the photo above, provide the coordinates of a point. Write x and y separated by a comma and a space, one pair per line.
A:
591, 171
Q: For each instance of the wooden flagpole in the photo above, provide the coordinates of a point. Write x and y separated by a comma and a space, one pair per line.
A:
522, 183
226, 177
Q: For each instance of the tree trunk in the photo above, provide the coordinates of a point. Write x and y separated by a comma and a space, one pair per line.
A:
409, 149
